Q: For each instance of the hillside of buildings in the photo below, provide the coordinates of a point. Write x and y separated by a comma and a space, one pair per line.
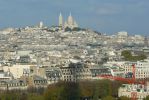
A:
40, 56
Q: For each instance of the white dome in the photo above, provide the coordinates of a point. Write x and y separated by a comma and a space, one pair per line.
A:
70, 20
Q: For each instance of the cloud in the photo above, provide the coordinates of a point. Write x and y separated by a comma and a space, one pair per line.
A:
113, 8
107, 11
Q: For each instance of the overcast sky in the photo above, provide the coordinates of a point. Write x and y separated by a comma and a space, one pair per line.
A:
107, 16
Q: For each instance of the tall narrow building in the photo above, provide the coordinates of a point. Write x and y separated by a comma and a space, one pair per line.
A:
60, 20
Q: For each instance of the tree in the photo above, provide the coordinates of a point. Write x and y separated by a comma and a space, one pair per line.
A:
76, 29
147, 98
67, 29
53, 92
108, 98
114, 87
96, 91
105, 88
128, 56
63, 91
34, 97
86, 89
124, 98
11, 96
24, 96
142, 56
70, 91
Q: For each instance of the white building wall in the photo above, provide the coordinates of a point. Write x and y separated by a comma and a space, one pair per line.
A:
17, 70
141, 69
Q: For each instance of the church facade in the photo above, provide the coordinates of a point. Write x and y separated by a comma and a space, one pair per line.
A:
70, 22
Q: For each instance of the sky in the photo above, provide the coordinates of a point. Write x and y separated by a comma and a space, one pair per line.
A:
106, 16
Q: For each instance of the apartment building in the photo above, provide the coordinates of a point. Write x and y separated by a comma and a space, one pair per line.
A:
129, 90
141, 69
75, 71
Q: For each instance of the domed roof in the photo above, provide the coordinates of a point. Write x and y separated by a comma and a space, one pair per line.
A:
70, 19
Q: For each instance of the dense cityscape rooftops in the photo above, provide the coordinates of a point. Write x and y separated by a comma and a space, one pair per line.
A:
40, 55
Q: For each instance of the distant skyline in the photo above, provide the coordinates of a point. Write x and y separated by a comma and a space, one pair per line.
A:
106, 16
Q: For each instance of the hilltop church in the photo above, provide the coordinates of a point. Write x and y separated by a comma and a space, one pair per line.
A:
70, 22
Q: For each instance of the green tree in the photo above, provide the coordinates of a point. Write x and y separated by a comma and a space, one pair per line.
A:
114, 87
124, 98
67, 29
147, 98
76, 29
108, 98
70, 91
11, 96
34, 97
128, 56
53, 92
86, 88
24, 96
142, 56
96, 91
105, 88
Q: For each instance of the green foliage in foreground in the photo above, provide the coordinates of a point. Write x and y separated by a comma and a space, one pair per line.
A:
19, 96
147, 98
124, 98
103, 89
108, 98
